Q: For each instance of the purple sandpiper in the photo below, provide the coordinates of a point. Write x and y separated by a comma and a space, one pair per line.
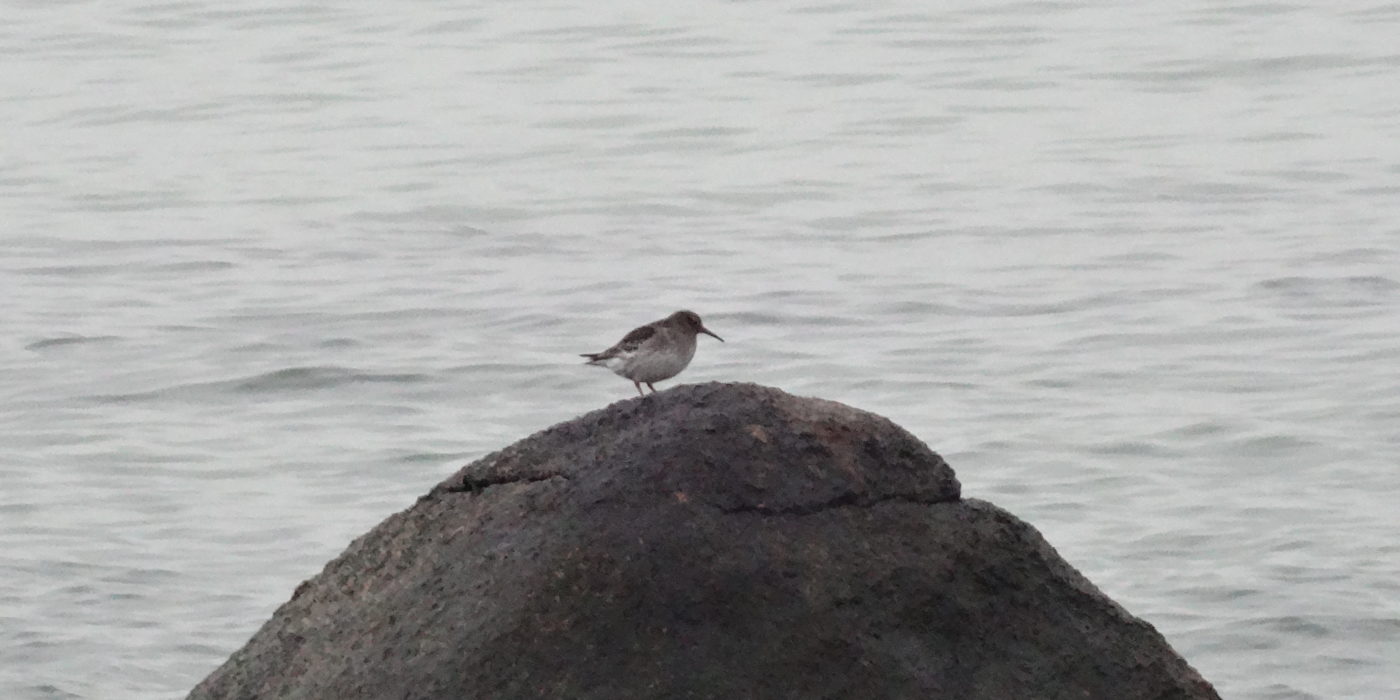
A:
659, 350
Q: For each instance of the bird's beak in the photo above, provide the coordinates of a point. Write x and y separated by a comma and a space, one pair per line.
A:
706, 331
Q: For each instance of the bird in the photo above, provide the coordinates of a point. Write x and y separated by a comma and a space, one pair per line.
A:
659, 350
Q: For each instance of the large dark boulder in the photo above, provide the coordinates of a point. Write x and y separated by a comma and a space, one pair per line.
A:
710, 541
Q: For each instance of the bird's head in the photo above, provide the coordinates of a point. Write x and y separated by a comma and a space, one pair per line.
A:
690, 321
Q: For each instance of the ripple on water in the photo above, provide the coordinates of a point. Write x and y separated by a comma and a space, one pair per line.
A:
435, 457
1329, 292
301, 378
1134, 448
1270, 446
66, 340
1280, 691
52, 692
1290, 626
289, 380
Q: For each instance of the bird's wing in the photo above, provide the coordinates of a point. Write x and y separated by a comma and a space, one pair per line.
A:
629, 342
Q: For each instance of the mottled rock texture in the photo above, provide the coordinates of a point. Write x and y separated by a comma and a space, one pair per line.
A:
710, 541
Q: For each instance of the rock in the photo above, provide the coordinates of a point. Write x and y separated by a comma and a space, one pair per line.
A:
710, 541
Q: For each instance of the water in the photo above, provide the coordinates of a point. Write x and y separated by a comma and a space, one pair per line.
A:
271, 271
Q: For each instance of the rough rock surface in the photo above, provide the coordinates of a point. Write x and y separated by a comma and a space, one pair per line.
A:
710, 541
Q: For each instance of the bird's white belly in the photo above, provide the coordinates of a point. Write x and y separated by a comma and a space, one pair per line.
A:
653, 366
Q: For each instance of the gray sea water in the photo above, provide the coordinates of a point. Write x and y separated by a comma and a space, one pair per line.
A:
269, 270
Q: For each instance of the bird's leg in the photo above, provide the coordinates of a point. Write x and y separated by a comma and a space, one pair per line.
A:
649, 386
639, 388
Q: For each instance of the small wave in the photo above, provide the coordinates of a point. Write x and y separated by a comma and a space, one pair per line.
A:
1201, 429
914, 308
1292, 626
1269, 446
48, 690
1140, 257
1083, 303
195, 266
282, 380
1135, 448
61, 341
70, 270
1327, 297
319, 378
436, 457
1308, 284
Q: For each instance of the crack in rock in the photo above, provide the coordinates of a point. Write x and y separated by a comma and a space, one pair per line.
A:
845, 500
470, 485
